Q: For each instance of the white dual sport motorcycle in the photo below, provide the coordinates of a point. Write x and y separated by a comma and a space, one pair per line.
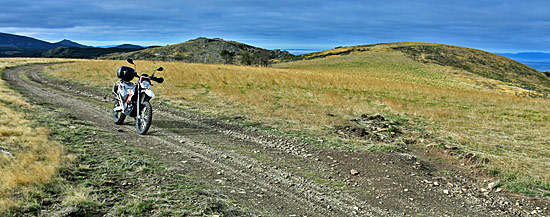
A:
133, 99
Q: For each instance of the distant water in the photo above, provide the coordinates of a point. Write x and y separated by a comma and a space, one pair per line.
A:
537, 60
540, 66
301, 51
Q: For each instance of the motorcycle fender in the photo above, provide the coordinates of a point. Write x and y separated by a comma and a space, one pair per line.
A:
145, 98
149, 93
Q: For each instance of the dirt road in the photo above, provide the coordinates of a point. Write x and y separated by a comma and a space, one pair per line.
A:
275, 176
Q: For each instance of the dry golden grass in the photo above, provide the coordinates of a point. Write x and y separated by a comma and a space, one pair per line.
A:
77, 195
35, 159
509, 130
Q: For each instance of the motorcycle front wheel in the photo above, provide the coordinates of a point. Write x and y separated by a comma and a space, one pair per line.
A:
118, 117
143, 120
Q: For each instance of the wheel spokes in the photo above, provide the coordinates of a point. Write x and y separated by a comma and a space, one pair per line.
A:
143, 118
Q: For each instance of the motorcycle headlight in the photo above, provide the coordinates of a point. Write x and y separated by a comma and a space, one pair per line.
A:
146, 84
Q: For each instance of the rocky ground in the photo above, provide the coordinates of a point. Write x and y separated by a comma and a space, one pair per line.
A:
266, 175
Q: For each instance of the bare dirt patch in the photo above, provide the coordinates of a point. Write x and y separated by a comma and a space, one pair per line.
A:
373, 128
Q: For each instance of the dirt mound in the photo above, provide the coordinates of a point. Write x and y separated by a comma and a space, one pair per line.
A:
370, 128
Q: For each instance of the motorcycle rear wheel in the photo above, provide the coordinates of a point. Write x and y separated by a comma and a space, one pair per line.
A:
118, 117
145, 116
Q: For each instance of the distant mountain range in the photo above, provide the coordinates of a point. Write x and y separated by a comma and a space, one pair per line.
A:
24, 42
69, 43
133, 46
201, 50
17, 41
130, 46
22, 46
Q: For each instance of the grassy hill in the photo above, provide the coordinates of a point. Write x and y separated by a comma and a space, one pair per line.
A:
205, 50
488, 65
327, 97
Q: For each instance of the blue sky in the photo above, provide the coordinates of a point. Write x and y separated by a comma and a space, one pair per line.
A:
492, 25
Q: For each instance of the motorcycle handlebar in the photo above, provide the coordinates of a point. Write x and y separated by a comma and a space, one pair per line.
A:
157, 79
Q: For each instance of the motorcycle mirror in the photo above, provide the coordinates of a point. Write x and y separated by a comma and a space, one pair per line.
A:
160, 69
130, 61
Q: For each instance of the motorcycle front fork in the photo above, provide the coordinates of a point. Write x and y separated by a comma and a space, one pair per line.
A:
138, 104
120, 106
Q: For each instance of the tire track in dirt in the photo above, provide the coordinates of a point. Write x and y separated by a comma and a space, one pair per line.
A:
286, 198
268, 174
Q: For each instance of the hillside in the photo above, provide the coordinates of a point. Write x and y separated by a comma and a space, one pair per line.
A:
478, 62
17, 41
20, 52
22, 46
86, 53
205, 50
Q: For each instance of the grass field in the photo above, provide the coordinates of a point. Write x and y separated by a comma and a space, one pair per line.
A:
53, 164
33, 159
452, 106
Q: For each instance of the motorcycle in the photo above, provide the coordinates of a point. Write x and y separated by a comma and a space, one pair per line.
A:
133, 99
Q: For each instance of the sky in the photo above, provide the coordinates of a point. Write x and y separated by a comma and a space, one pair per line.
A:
502, 26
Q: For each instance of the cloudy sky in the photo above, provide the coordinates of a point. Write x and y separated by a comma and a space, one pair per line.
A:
492, 25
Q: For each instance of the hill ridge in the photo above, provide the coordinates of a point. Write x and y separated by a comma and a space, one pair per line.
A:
69, 43
208, 50
480, 62
25, 42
